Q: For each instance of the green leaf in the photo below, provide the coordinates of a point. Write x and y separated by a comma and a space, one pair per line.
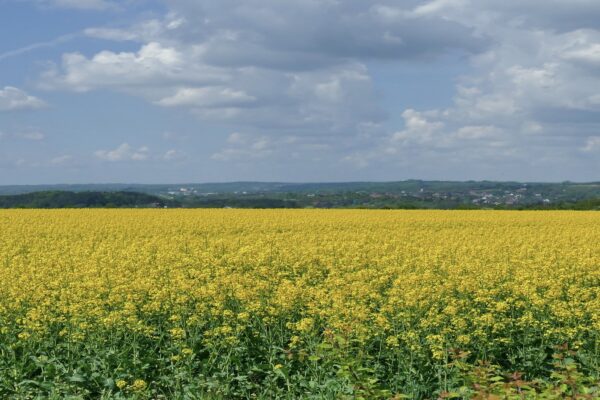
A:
77, 378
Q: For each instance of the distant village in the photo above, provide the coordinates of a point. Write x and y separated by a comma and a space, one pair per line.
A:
491, 197
410, 194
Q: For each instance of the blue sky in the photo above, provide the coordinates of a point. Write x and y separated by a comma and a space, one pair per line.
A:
298, 90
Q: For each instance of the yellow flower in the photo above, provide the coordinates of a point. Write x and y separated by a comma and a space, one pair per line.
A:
139, 385
177, 333
463, 339
305, 325
295, 341
392, 341
425, 281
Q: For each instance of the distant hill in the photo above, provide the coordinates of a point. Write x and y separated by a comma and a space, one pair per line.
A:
61, 199
409, 194
566, 190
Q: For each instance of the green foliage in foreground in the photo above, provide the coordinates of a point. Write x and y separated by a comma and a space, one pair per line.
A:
119, 365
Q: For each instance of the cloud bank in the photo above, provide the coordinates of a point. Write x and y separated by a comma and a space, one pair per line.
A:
293, 79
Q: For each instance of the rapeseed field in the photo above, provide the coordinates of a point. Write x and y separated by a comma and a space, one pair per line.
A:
230, 304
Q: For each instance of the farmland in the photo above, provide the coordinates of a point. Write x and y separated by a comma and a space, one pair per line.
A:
297, 303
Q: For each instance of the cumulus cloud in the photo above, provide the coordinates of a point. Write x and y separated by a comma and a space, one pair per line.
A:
12, 98
300, 69
260, 64
124, 152
417, 129
150, 69
530, 100
552, 15
592, 144
310, 34
329, 99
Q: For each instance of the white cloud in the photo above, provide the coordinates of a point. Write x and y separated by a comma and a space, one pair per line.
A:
326, 100
236, 138
245, 147
477, 132
207, 97
96, 5
592, 144
31, 135
144, 31
589, 55
531, 92
417, 129
126, 152
248, 147
12, 98
531, 99
261, 66
111, 34
173, 155
437, 7
123, 153
24, 134
61, 160
154, 68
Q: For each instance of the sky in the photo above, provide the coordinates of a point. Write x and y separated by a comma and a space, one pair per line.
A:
173, 91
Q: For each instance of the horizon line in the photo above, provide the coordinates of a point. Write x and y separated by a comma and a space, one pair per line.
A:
299, 182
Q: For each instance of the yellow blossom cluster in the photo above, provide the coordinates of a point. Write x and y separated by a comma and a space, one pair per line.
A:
412, 282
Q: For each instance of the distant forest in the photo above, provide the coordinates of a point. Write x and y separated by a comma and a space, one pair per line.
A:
60, 199
125, 199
